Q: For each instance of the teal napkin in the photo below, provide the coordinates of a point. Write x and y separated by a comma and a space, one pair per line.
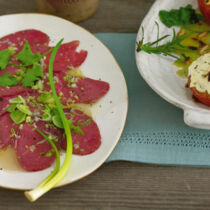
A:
155, 131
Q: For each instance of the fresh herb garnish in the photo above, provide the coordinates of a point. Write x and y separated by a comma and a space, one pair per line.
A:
46, 98
18, 110
47, 114
7, 80
12, 108
28, 77
17, 100
55, 176
75, 128
24, 108
32, 75
27, 57
182, 16
56, 119
12, 134
17, 116
167, 49
4, 58
58, 122
85, 123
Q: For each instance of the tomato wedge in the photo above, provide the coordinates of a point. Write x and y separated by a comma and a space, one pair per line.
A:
204, 6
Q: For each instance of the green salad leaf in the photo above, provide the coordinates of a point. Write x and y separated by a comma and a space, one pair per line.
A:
27, 57
179, 17
47, 114
75, 128
17, 100
18, 116
4, 58
7, 80
56, 119
47, 98
18, 109
32, 75
11, 108
24, 108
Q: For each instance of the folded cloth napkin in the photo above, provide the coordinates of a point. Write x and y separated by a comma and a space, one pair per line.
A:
155, 131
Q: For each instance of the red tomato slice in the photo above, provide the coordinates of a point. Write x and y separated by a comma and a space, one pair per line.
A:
204, 6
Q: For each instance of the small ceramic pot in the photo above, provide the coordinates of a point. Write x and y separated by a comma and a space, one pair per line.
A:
73, 10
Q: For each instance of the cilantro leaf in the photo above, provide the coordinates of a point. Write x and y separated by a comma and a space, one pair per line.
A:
27, 57
179, 17
4, 58
7, 80
32, 75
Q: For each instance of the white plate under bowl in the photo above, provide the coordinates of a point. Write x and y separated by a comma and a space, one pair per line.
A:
159, 72
109, 113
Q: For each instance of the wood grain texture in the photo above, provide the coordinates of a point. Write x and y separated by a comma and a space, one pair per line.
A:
111, 16
117, 185
124, 185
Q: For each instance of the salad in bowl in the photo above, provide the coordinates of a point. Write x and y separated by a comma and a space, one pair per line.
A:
173, 56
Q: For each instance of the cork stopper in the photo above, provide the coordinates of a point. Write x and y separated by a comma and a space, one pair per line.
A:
73, 10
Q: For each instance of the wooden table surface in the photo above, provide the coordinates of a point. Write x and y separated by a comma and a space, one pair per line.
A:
118, 185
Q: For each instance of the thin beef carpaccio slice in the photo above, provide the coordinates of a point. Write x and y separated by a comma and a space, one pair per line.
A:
32, 150
86, 91
79, 90
14, 91
17, 40
90, 140
6, 126
67, 56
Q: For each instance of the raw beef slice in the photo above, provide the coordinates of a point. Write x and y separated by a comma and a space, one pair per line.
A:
34, 153
17, 40
67, 56
84, 90
90, 141
6, 125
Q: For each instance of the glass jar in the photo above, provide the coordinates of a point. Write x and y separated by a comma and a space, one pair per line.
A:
73, 10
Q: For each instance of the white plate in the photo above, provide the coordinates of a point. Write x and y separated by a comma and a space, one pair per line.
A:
109, 113
159, 72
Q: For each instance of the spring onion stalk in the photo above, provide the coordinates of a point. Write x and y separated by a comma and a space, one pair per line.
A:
48, 184
57, 166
